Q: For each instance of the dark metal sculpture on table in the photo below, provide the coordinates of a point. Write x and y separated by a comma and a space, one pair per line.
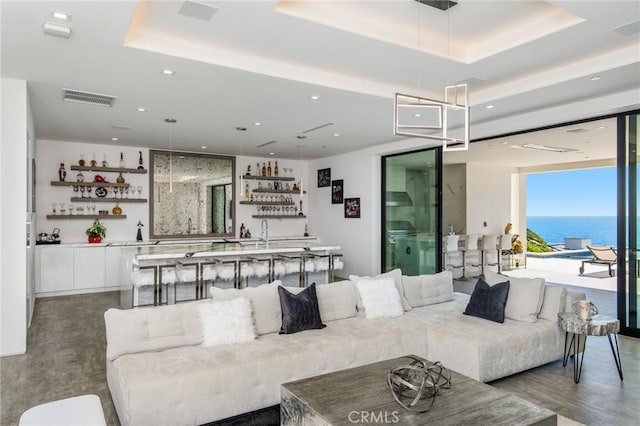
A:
414, 386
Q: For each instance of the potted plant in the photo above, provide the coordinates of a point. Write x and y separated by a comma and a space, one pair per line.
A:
96, 232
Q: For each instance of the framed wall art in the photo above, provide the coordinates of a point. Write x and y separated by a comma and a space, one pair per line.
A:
324, 178
337, 191
352, 208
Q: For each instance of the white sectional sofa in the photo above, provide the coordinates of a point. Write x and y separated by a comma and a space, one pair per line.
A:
160, 373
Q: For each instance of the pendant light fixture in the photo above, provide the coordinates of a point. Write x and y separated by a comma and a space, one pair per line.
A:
421, 117
170, 121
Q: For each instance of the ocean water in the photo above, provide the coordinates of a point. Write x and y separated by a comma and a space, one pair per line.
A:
601, 229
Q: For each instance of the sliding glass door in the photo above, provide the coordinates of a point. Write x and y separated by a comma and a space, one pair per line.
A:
411, 200
628, 226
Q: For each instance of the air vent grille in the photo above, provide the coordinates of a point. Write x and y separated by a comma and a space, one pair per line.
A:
265, 144
580, 130
71, 95
322, 126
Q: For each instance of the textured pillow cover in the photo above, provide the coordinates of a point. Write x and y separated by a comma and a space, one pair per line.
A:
525, 296
380, 298
423, 290
226, 322
299, 311
553, 302
487, 301
264, 300
396, 276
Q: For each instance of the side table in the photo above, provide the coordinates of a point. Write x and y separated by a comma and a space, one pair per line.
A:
599, 325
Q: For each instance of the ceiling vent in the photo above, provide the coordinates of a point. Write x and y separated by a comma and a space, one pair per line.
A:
313, 129
197, 10
71, 95
543, 147
265, 144
580, 130
439, 4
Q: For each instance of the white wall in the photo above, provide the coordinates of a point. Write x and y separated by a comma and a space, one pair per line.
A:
489, 198
454, 198
13, 258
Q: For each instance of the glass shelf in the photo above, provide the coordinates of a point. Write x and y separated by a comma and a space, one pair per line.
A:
86, 216
109, 200
58, 183
268, 203
108, 169
282, 178
255, 216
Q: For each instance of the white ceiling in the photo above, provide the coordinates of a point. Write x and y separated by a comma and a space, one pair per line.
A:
260, 61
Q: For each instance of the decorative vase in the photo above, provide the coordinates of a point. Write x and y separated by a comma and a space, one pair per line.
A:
116, 210
95, 238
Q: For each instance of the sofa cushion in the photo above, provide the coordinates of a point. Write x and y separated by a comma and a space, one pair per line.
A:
423, 290
264, 301
396, 276
151, 329
299, 311
337, 300
553, 302
226, 322
525, 296
487, 301
380, 298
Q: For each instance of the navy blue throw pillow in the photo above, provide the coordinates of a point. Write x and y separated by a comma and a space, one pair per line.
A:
487, 301
299, 311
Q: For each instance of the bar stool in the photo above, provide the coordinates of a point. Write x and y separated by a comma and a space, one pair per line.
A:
336, 263
505, 245
473, 255
244, 271
208, 275
452, 253
188, 280
227, 271
490, 248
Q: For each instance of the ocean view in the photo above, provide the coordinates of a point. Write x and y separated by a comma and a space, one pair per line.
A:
601, 229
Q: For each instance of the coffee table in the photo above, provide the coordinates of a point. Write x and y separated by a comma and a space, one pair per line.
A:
361, 396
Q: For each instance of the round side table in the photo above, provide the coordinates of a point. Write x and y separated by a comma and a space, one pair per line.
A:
599, 325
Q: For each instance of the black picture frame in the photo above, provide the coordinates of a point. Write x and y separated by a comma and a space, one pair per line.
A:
324, 178
337, 191
352, 208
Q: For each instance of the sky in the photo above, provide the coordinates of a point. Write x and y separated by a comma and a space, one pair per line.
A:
587, 192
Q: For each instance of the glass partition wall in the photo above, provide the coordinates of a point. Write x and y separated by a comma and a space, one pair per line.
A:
411, 200
628, 226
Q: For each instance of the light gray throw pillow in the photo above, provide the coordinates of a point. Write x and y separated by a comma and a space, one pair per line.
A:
423, 290
525, 296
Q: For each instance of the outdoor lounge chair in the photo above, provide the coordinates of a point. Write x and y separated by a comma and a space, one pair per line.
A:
602, 255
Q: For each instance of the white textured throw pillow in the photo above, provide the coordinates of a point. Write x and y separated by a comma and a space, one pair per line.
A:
226, 322
264, 300
525, 296
380, 298
396, 276
553, 302
423, 290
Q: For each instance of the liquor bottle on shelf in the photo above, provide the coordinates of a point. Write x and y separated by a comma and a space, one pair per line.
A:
264, 169
248, 170
257, 169
269, 169
62, 173
93, 162
246, 191
121, 160
242, 230
120, 178
81, 161
104, 160
275, 170
140, 166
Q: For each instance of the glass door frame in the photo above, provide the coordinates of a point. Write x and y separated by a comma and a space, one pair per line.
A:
438, 207
627, 265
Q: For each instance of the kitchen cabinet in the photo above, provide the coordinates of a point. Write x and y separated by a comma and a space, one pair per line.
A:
88, 267
56, 269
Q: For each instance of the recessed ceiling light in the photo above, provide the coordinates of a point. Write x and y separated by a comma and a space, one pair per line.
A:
314, 98
114, 139
203, 147
417, 115
595, 78
168, 72
241, 129
601, 127
336, 134
141, 109
56, 30
61, 15
271, 153
490, 107
543, 147
257, 123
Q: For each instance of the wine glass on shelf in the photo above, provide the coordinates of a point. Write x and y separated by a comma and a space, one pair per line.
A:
70, 206
89, 191
80, 209
126, 192
53, 208
82, 189
139, 189
115, 191
63, 208
75, 190
258, 209
121, 191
